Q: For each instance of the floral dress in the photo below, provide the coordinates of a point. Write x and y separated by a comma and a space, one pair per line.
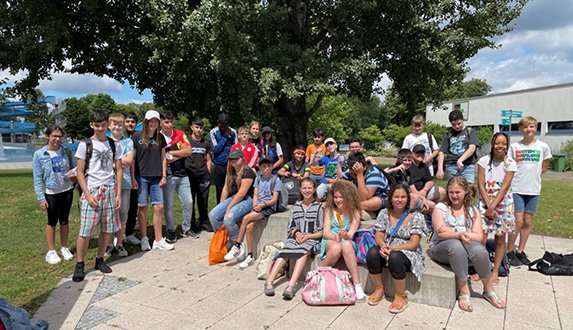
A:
334, 229
416, 226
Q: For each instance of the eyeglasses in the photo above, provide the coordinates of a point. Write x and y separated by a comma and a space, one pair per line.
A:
56, 137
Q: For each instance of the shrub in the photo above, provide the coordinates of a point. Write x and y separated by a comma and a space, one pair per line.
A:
567, 149
395, 134
371, 138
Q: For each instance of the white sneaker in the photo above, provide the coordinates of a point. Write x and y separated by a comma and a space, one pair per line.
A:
360, 296
66, 253
53, 258
233, 253
162, 245
109, 250
131, 239
249, 261
121, 251
145, 244
242, 252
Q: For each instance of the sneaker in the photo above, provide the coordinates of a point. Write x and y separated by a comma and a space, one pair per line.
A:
207, 227
523, 258
102, 266
171, 237
162, 245
242, 252
121, 251
66, 253
131, 239
233, 253
79, 273
191, 234
109, 250
145, 244
53, 258
513, 259
249, 261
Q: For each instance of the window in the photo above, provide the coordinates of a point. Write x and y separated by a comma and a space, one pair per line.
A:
515, 128
557, 127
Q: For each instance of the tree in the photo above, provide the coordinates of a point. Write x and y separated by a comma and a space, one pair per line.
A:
254, 59
77, 118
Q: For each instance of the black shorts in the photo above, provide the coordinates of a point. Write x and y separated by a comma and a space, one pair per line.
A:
59, 206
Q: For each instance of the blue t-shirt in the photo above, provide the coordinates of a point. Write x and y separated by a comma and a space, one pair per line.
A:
264, 187
372, 178
331, 165
126, 149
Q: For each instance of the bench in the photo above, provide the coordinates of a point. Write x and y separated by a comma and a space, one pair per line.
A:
438, 286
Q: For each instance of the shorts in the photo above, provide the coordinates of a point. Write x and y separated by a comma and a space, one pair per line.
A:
104, 215
266, 212
525, 203
384, 204
149, 186
433, 193
468, 172
59, 206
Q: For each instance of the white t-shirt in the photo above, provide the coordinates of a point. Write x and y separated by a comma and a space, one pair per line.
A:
529, 159
495, 173
100, 170
63, 185
412, 140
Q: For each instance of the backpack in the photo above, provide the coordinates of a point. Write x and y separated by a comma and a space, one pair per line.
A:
364, 239
282, 202
89, 152
435, 159
292, 187
328, 286
554, 264
503, 270
12, 317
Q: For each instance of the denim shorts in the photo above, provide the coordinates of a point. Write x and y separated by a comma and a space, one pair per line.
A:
468, 172
149, 186
525, 203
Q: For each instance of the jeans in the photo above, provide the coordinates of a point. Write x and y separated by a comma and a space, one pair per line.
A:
149, 186
238, 211
183, 188
468, 172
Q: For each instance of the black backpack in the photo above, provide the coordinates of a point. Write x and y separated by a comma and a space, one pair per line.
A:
435, 159
282, 202
292, 186
554, 264
89, 152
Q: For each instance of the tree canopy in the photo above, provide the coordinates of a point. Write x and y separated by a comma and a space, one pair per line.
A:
254, 59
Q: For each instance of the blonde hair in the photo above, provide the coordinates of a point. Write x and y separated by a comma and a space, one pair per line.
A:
243, 128
350, 197
232, 173
116, 118
469, 198
526, 121
417, 120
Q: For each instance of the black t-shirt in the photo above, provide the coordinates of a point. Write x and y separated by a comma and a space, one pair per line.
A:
148, 158
419, 175
247, 174
455, 143
300, 171
197, 162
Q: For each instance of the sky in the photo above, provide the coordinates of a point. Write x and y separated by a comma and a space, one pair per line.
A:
538, 52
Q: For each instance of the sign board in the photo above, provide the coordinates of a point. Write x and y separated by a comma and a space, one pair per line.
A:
514, 114
464, 107
505, 122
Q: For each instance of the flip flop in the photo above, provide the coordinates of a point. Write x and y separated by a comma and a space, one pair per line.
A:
493, 294
469, 307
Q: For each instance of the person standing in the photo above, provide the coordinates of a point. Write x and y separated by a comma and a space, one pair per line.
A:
222, 138
130, 123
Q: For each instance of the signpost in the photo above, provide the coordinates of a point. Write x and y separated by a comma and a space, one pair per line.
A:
506, 116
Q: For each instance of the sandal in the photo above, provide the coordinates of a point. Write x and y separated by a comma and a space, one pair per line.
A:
395, 308
288, 295
469, 307
493, 294
373, 299
269, 291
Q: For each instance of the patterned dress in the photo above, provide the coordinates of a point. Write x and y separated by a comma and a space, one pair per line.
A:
416, 226
307, 222
334, 229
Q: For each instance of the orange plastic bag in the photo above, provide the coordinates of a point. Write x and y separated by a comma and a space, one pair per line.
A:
217, 249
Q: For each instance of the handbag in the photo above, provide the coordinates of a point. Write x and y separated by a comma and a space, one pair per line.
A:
554, 264
267, 259
217, 249
363, 239
328, 286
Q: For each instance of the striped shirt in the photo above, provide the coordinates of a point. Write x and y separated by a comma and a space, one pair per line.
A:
373, 178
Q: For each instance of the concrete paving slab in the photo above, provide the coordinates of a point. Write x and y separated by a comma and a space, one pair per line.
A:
310, 317
558, 245
562, 286
526, 326
142, 317
354, 317
419, 316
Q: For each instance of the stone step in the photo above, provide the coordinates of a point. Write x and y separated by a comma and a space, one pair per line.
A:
438, 286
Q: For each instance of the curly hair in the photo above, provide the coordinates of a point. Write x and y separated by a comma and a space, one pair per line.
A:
469, 198
399, 186
349, 194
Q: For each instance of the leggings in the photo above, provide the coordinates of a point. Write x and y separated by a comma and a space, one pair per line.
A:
459, 256
59, 206
397, 263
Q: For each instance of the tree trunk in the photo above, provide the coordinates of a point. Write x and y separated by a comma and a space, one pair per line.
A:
292, 118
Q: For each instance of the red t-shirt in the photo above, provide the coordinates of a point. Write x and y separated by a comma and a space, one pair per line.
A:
250, 151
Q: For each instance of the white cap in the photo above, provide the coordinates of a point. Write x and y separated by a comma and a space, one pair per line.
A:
151, 114
327, 141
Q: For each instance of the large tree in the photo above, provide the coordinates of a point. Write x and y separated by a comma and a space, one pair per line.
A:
254, 59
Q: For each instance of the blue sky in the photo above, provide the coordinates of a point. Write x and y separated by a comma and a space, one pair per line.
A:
538, 52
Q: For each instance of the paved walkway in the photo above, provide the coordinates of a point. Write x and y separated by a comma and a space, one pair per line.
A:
178, 290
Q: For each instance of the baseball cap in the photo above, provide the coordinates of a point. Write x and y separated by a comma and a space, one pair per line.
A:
266, 159
267, 129
329, 140
419, 148
151, 114
236, 153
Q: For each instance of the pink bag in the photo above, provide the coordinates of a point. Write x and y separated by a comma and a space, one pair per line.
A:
328, 286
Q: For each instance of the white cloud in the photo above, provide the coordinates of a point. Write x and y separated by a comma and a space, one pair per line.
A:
80, 84
128, 101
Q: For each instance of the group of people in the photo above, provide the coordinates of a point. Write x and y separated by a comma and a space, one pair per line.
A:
120, 174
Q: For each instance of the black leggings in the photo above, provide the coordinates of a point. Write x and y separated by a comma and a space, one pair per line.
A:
59, 206
398, 263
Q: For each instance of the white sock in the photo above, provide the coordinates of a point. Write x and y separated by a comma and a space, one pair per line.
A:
359, 291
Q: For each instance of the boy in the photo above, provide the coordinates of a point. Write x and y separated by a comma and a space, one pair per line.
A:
421, 181
177, 149
313, 150
333, 166
372, 184
197, 167
399, 172
532, 158
249, 150
426, 139
355, 145
223, 138
458, 147
116, 128
130, 123
101, 198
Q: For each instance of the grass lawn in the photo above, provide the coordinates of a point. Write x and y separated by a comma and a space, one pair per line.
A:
27, 280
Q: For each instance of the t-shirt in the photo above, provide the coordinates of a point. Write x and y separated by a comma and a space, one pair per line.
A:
458, 223
373, 177
495, 172
62, 185
177, 141
419, 175
264, 186
250, 151
413, 139
148, 158
197, 162
529, 159
455, 143
126, 149
292, 168
247, 174
310, 150
100, 169
331, 165
273, 150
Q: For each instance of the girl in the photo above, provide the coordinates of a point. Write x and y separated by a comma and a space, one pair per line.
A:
303, 234
456, 241
495, 172
254, 137
341, 220
236, 201
150, 172
50, 167
402, 253
272, 148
